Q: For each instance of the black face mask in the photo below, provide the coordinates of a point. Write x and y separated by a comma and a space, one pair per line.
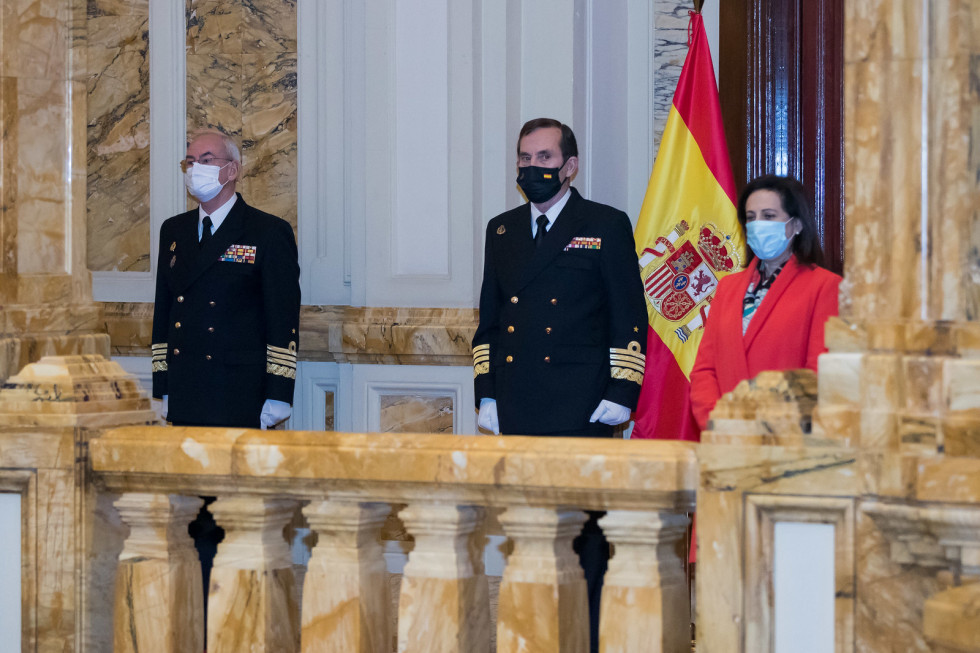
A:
539, 184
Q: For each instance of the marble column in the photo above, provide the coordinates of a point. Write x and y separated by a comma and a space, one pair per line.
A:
443, 605
543, 604
159, 605
645, 601
345, 592
251, 604
45, 287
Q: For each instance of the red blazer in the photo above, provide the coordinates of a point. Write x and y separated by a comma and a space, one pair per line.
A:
785, 333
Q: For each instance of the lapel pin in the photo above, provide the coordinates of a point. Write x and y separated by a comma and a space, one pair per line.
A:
501, 230
173, 261
173, 246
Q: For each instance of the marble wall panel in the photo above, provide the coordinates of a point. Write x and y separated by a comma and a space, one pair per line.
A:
214, 92
416, 414
214, 26
329, 411
269, 151
241, 78
670, 49
118, 212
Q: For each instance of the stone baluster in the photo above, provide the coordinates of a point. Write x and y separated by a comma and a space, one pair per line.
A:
646, 606
543, 604
251, 605
159, 600
345, 594
443, 605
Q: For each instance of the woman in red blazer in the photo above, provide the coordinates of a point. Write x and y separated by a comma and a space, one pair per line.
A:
771, 315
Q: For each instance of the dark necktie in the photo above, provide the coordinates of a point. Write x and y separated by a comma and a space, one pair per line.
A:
206, 231
542, 230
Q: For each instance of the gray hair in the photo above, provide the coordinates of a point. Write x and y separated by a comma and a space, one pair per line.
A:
231, 147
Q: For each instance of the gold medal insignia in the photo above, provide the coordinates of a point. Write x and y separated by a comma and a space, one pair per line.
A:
173, 246
501, 230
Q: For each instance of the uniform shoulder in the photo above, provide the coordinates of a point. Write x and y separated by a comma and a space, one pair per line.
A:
510, 216
179, 219
263, 219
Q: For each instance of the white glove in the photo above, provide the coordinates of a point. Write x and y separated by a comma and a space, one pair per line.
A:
165, 408
488, 416
273, 412
610, 413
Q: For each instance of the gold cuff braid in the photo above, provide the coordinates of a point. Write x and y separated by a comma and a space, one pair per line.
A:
627, 375
280, 370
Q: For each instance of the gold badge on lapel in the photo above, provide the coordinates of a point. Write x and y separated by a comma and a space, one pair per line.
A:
173, 246
501, 230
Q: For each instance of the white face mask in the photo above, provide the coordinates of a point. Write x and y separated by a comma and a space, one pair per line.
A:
202, 181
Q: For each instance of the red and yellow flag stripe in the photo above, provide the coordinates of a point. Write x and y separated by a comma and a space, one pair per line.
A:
687, 238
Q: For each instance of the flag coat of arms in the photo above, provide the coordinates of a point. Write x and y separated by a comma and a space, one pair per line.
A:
687, 239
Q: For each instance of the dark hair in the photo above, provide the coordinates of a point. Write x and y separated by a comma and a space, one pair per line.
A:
806, 244
569, 147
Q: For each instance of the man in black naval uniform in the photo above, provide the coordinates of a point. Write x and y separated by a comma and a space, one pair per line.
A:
560, 345
226, 314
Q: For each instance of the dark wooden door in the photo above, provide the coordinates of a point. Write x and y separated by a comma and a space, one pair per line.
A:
782, 99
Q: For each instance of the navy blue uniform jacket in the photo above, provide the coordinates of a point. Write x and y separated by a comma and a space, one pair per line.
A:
226, 317
562, 326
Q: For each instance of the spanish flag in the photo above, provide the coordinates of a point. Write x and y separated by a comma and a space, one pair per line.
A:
687, 238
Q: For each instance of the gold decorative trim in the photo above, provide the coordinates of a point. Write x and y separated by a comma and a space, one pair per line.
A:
633, 365
628, 375
482, 368
159, 366
280, 370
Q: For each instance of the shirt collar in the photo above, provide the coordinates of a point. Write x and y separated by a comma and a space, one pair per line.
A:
552, 213
218, 216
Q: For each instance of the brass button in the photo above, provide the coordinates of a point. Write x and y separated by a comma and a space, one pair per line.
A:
210, 329
211, 304
554, 301
513, 300
176, 352
510, 359
180, 299
547, 330
207, 357
547, 359
177, 325
294, 330
510, 329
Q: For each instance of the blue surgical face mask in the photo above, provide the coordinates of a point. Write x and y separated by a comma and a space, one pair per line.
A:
767, 238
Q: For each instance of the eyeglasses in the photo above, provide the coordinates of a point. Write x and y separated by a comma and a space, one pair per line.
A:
206, 161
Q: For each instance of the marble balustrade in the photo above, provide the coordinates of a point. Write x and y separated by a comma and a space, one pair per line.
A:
344, 483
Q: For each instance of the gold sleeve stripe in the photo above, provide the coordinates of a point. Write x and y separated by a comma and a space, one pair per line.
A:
631, 366
627, 357
280, 370
628, 375
158, 345
291, 351
480, 358
159, 366
277, 360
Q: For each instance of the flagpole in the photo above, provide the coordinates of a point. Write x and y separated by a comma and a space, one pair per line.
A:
697, 5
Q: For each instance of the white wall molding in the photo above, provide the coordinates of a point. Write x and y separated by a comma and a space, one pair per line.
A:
372, 382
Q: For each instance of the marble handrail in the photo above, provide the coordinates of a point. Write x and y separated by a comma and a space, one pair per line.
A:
448, 483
